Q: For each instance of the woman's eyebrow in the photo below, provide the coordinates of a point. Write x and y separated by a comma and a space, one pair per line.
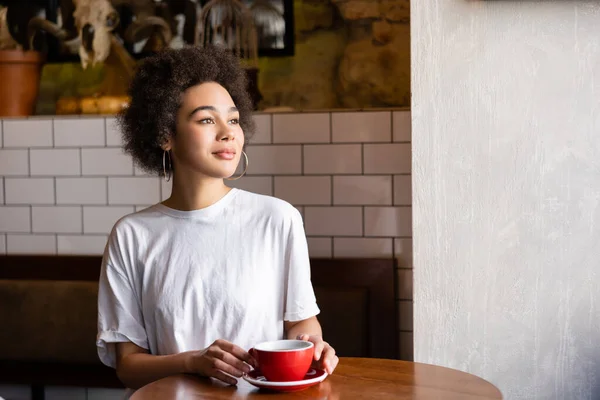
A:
209, 108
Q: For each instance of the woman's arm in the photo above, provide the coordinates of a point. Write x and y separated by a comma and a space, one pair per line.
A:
136, 368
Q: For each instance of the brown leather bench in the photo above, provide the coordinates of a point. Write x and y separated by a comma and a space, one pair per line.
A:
48, 310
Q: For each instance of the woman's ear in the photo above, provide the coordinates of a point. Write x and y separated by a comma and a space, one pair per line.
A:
167, 145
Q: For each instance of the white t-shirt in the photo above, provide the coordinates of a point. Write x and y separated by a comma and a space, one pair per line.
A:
174, 281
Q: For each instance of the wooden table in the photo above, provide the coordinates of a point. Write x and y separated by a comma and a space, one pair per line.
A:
354, 378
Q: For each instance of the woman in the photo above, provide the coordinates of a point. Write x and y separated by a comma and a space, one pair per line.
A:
188, 285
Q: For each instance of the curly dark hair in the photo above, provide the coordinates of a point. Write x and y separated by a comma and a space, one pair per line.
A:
156, 91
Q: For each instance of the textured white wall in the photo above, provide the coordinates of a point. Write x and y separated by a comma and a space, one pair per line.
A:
506, 192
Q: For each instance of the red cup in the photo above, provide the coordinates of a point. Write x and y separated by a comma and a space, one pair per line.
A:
284, 360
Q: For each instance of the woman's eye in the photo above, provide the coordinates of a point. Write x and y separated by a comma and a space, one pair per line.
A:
206, 121
234, 121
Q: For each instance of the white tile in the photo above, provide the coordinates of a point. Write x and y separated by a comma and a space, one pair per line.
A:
274, 160
109, 161
65, 393
15, 392
404, 284
105, 394
165, 189
304, 190
54, 162
402, 190
113, 133
388, 221
362, 190
14, 162
1, 135
254, 184
402, 126
332, 159
403, 252
405, 315
333, 221
29, 190
362, 126
79, 132
301, 128
2, 245
262, 134
56, 219
2, 190
81, 191
15, 219
319, 247
89, 244
387, 158
102, 219
138, 171
31, 244
28, 133
139, 190
362, 247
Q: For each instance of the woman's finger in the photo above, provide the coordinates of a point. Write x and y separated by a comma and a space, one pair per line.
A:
220, 375
229, 368
238, 352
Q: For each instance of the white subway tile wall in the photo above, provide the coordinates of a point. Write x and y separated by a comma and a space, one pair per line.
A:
65, 182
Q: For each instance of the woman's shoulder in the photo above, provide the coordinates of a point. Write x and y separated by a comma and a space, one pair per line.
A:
139, 219
269, 205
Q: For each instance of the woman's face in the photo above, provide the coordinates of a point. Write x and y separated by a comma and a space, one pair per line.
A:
209, 138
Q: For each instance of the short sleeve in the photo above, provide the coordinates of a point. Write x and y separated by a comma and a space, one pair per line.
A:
119, 315
300, 302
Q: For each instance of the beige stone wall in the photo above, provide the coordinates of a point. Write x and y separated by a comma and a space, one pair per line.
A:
349, 54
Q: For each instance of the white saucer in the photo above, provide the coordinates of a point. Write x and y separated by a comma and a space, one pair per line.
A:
312, 377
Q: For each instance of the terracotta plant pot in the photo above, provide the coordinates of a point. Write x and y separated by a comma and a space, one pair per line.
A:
19, 82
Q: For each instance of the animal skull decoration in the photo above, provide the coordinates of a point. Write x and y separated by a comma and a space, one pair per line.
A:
88, 26
95, 20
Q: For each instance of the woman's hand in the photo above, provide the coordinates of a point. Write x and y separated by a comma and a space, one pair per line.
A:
325, 357
220, 359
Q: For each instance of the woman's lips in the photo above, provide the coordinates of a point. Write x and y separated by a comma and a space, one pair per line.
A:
225, 154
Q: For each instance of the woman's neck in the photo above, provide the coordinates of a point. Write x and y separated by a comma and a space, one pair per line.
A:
195, 194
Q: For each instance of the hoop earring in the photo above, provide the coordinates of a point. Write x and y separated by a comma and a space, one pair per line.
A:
167, 176
235, 179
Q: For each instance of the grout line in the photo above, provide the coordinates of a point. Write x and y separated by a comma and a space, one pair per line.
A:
391, 127
271, 135
105, 133
332, 191
393, 192
330, 127
363, 220
362, 159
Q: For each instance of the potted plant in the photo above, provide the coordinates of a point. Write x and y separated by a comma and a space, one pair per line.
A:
20, 67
